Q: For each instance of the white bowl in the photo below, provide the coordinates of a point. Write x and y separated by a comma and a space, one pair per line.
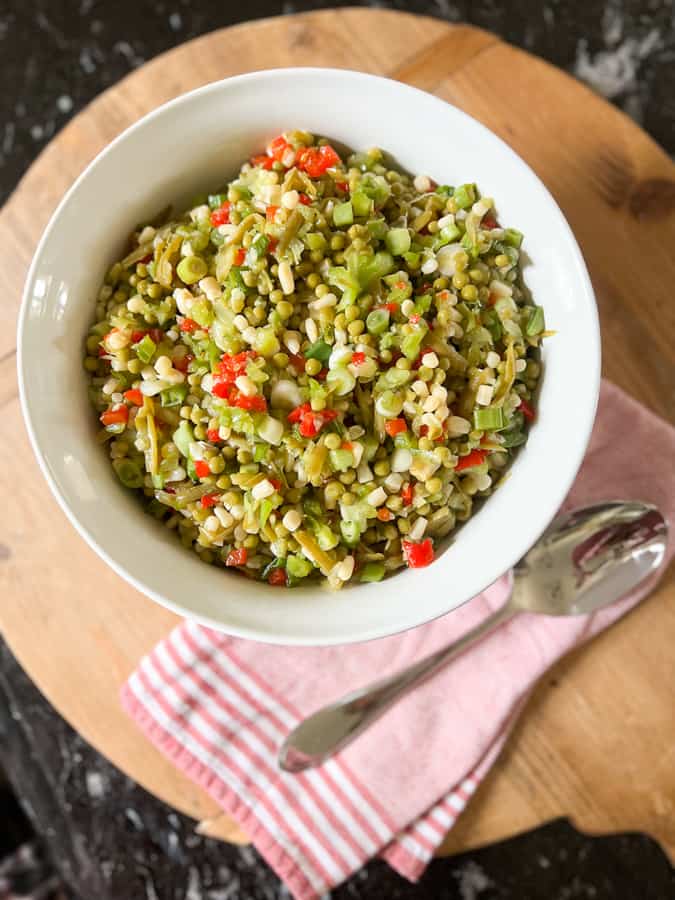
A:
195, 142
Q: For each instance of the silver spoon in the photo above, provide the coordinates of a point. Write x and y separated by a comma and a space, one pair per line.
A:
586, 559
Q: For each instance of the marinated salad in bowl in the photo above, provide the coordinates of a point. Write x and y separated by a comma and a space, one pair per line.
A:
316, 371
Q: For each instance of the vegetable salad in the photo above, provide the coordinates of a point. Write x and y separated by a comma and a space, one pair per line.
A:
318, 370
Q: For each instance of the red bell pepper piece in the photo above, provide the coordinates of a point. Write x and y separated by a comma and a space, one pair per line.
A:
395, 426
418, 555
237, 557
525, 408
134, 396
277, 578
202, 468
209, 500
475, 458
115, 416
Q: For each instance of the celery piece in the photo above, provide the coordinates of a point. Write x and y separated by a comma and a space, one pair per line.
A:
378, 229
145, 349
412, 259
490, 419
297, 566
411, 344
201, 312
341, 460
361, 204
449, 233
372, 571
445, 190
535, 324
343, 214
377, 321
465, 195
174, 396
398, 241
183, 436
351, 532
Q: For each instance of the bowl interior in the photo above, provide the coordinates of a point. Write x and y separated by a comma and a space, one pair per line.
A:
196, 143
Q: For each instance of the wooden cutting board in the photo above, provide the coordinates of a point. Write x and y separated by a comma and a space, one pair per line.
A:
597, 742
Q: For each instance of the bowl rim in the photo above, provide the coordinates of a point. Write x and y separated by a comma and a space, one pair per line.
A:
583, 425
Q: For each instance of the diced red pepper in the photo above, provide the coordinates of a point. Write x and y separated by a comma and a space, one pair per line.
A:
189, 325
277, 578
278, 147
305, 200
414, 318
221, 216
275, 482
296, 414
137, 336
407, 494
384, 514
222, 389
401, 285
525, 408
213, 435
134, 396
418, 555
321, 374
316, 160
237, 557
256, 403
395, 426
358, 358
342, 186
182, 362
475, 458
263, 160
308, 427
208, 500
157, 335
271, 212
119, 416
390, 307
489, 221
202, 468
272, 245
239, 257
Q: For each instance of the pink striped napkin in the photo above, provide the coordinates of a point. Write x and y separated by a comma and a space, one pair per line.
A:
219, 708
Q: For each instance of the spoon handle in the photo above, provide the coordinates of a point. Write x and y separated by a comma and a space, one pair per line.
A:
332, 727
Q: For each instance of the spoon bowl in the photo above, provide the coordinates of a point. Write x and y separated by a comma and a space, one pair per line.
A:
586, 560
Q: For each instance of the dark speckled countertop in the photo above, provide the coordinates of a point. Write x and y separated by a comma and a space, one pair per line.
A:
108, 838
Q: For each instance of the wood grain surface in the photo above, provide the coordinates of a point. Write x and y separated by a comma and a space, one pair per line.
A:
597, 742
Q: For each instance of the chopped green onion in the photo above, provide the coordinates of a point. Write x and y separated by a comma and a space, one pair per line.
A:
260, 453
465, 195
191, 268
378, 229
490, 419
445, 190
343, 214
513, 438
264, 510
215, 201
174, 396
513, 237
145, 349
535, 324
372, 571
340, 381
449, 233
412, 259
